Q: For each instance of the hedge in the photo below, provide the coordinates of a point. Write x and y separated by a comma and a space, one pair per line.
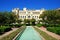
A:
54, 29
38, 25
4, 29
51, 25
13, 34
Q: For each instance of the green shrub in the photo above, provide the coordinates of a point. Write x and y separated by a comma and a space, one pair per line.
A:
15, 25
51, 25
47, 25
18, 25
54, 29
57, 25
4, 29
13, 34
39, 25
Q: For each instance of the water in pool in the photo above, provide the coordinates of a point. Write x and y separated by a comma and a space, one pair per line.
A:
30, 34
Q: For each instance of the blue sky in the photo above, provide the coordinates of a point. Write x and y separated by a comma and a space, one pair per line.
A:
8, 5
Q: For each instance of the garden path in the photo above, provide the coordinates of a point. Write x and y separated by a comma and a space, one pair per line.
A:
7, 33
50, 33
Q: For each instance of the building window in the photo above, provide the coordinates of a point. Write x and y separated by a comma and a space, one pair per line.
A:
21, 16
28, 16
37, 16
33, 16
25, 16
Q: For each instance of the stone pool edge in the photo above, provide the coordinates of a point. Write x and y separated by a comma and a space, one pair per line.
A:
18, 34
39, 34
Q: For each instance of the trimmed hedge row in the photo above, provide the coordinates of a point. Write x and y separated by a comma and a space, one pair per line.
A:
54, 30
7, 27
13, 34
16, 25
51, 25
39, 25
4, 29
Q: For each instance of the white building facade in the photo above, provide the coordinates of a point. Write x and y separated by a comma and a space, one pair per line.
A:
28, 14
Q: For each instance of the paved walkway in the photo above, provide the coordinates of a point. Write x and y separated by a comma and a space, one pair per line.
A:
7, 33
50, 33
29, 34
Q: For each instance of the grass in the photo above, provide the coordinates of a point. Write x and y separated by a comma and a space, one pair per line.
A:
45, 35
13, 34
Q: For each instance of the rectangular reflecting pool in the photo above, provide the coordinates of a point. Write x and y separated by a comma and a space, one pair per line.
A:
29, 34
